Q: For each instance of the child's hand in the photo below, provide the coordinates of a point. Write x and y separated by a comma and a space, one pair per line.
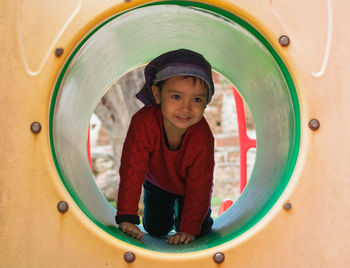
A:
131, 229
181, 238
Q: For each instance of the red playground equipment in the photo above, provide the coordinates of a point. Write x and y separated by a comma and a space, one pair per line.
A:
245, 143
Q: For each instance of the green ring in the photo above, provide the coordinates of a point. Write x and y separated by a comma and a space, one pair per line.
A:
216, 238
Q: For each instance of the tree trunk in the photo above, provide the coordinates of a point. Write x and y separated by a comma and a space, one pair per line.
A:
117, 107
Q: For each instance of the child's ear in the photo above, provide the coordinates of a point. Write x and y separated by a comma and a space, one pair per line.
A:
156, 93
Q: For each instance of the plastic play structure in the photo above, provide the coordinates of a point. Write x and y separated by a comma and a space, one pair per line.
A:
287, 59
245, 142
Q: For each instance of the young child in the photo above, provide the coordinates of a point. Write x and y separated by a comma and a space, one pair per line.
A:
169, 149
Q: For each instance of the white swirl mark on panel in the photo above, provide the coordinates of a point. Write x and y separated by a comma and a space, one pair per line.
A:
329, 39
329, 35
21, 46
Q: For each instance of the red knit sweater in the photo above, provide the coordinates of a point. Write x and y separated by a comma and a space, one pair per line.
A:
187, 171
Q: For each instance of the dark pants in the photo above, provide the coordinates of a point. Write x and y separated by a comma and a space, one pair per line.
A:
160, 214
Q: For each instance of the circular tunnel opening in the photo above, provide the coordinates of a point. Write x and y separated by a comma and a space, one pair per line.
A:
236, 50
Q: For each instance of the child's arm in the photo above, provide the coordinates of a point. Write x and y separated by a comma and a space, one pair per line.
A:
131, 229
199, 182
197, 197
134, 163
181, 238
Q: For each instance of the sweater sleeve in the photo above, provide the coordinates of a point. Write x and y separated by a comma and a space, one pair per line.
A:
134, 164
198, 190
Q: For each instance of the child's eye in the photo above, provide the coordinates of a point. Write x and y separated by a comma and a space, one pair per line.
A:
197, 100
175, 97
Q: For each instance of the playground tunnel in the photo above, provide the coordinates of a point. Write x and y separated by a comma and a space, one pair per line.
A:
236, 50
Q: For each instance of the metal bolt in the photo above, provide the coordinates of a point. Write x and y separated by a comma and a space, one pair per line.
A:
314, 124
129, 257
59, 51
284, 40
62, 206
219, 257
287, 206
35, 127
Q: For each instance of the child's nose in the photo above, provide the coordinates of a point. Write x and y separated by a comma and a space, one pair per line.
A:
186, 105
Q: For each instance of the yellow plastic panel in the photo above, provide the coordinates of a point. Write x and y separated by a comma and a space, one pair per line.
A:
315, 232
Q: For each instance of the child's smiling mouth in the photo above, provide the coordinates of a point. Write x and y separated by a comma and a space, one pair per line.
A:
184, 118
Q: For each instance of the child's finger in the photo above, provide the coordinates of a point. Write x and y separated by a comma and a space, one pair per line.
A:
170, 240
134, 232
182, 238
176, 239
128, 231
188, 240
139, 235
123, 228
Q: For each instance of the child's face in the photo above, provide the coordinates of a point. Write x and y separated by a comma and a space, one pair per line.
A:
182, 102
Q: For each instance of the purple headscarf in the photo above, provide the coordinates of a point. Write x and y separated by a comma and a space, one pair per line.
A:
179, 62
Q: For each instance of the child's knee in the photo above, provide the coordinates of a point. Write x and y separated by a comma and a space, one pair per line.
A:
157, 230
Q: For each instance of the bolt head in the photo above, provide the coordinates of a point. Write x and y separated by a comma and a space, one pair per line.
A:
284, 40
219, 257
35, 127
287, 206
59, 51
314, 124
62, 206
129, 257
